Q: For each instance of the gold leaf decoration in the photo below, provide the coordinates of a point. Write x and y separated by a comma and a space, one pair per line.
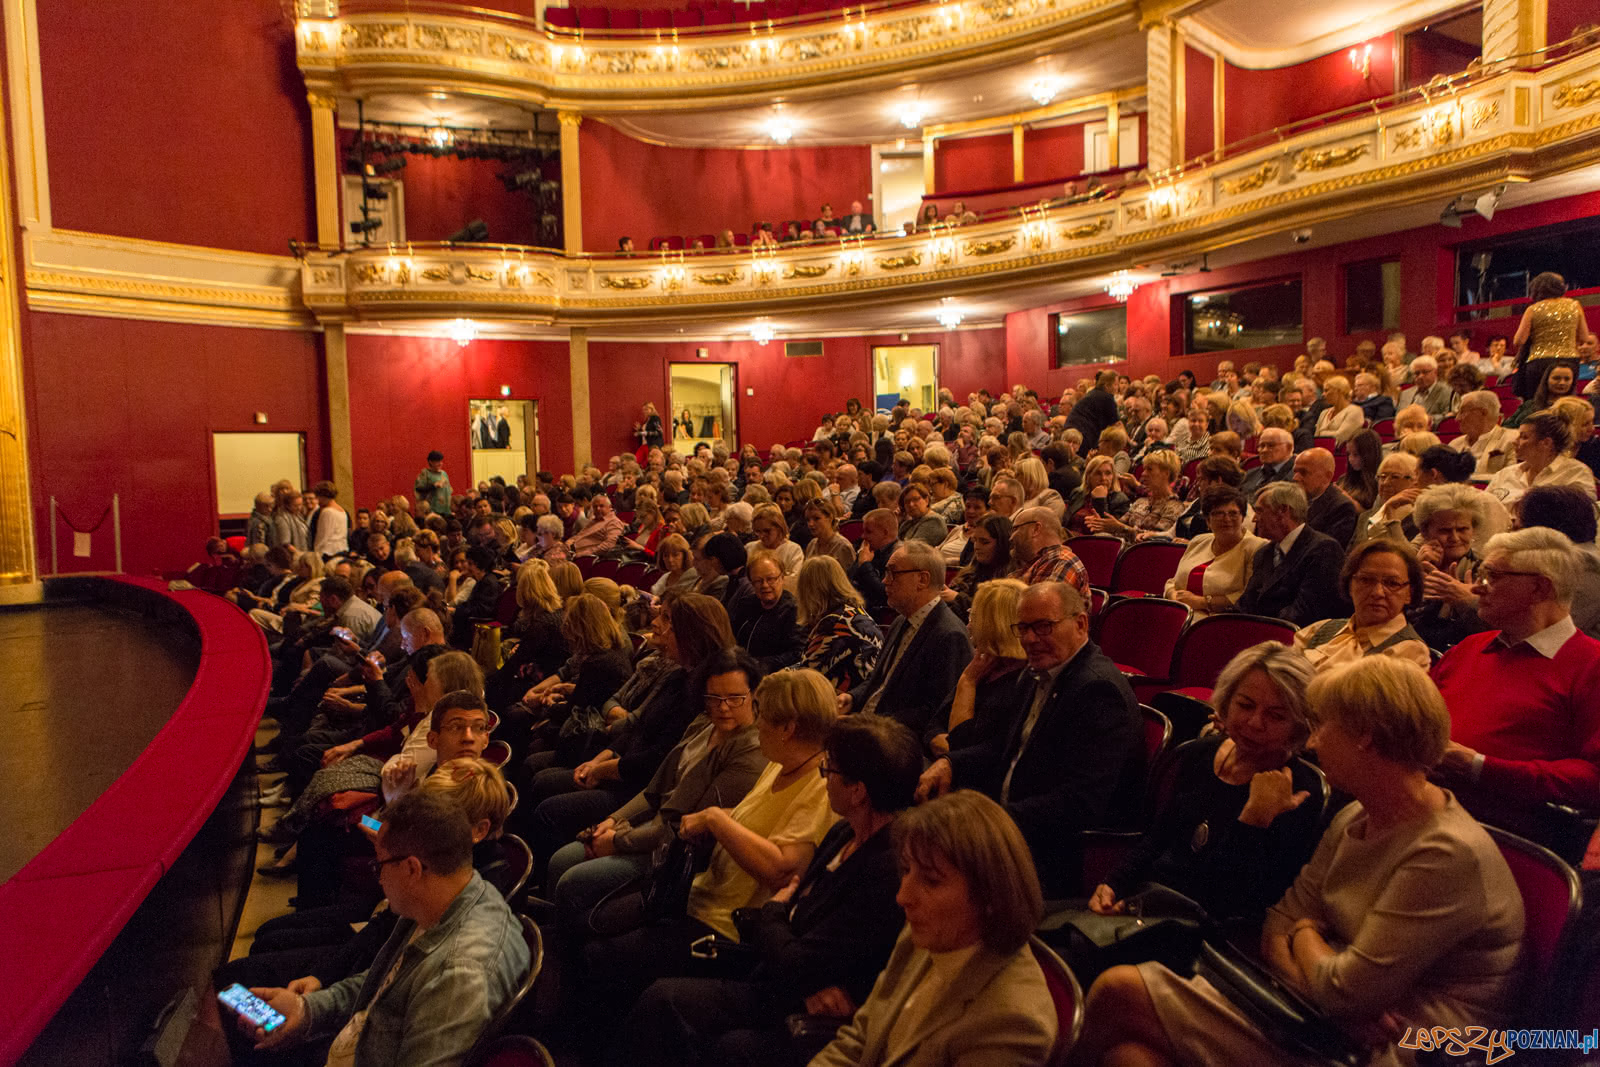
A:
807, 270
480, 275
324, 276
989, 248
1482, 112
374, 35
1090, 229
624, 281
1576, 94
368, 273
1137, 213
901, 262
727, 277
1252, 181
1328, 158
436, 274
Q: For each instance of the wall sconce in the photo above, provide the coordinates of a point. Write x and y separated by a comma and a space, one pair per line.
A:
1120, 286
1035, 230
942, 250
463, 332
1361, 61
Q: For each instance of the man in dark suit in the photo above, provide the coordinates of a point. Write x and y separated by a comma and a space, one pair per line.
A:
483, 604
858, 221
925, 650
1276, 449
880, 536
1329, 509
502, 428
1072, 757
1096, 411
1296, 576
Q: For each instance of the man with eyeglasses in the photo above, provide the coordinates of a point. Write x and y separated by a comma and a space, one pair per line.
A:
925, 650
1275, 448
1039, 554
1524, 698
458, 727
1072, 757
1296, 576
456, 955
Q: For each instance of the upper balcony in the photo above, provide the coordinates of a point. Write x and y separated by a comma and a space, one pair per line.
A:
379, 46
1422, 147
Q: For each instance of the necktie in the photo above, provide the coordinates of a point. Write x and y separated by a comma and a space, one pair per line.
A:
1041, 690
900, 642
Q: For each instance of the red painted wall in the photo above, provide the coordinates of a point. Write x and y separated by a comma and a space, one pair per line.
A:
1565, 16
1199, 100
790, 394
177, 121
1155, 325
642, 190
408, 395
1257, 100
973, 162
1053, 152
117, 406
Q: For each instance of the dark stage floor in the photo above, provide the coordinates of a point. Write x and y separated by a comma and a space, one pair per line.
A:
83, 690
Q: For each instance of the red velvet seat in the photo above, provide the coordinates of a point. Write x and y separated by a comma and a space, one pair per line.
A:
1067, 996
560, 18
505, 611
686, 19
633, 574
718, 16
1552, 899
497, 753
606, 568
1139, 634
707, 240
1099, 555
593, 18
655, 18
1146, 567
1384, 428
625, 18
783, 9
757, 12
741, 240
851, 531
1207, 646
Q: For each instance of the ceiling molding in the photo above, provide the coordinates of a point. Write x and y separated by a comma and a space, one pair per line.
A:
1201, 26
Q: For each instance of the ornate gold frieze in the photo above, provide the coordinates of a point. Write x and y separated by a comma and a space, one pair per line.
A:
727, 277
1252, 181
1576, 94
325, 276
368, 273
1481, 112
901, 262
1090, 229
436, 274
624, 281
807, 270
369, 35
474, 274
1328, 158
989, 248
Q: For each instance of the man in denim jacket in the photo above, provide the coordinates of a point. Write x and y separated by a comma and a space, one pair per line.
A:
456, 956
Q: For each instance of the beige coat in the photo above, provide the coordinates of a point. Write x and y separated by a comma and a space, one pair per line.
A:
997, 1012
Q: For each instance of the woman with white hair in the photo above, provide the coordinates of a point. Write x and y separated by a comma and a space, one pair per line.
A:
1397, 494
1449, 519
1341, 419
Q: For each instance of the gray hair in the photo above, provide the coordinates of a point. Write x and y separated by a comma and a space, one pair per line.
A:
1452, 496
1544, 551
1284, 496
552, 524
1286, 668
1066, 597
741, 511
1481, 399
1009, 486
1426, 362
924, 557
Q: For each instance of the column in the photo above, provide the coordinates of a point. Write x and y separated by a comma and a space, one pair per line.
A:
1162, 52
1016, 154
578, 372
1514, 27
1113, 132
571, 184
19, 579
336, 373
927, 165
325, 165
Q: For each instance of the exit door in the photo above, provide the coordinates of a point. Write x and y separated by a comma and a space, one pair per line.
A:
905, 372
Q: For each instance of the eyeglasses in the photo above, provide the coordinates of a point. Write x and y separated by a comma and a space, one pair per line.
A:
1024, 525
891, 571
1490, 575
1042, 628
461, 726
824, 770
377, 866
733, 700
1372, 581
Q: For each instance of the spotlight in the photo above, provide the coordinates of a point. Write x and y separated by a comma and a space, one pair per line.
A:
476, 230
1486, 203
1450, 216
374, 192
389, 166
364, 227
520, 180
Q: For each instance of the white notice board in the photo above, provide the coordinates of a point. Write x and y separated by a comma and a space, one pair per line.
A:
248, 463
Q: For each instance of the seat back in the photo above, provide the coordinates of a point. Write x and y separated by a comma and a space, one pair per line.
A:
1099, 555
624, 18
655, 18
515, 1050
1067, 996
594, 18
519, 860
1551, 900
606, 568
1146, 567
585, 565
1384, 428
560, 18
1140, 633
851, 531
505, 611
633, 574
1157, 734
511, 799
1207, 646
497, 753
479, 1052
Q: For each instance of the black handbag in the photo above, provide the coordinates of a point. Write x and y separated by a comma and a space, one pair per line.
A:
1282, 1014
1159, 924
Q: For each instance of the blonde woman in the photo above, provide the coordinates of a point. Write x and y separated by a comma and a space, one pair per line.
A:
596, 665
303, 593
1342, 419
608, 593
993, 680
1157, 510
675, 560
540, 649
821, 522
1242, 419
772, 536
1030, 473
1098, 495
842, 640
567, 579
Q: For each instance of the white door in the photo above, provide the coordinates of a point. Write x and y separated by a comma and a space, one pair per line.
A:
1097, 145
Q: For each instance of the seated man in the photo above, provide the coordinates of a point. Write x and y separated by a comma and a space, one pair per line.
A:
1329, 509
1038, 553
1295, 576
1275, 447
1491, 444
602, 532
1437, 398
926, 648
1072, 755
454, 958
880, 536
1524, 698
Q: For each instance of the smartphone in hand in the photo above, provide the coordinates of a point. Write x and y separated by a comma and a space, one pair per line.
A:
251, 1007
343, 633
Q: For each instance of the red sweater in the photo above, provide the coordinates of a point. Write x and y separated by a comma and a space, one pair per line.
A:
1536, 720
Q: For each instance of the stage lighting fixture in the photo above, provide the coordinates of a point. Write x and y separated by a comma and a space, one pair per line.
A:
390, 165
374, 192
1486, 203
364, 227
476, 230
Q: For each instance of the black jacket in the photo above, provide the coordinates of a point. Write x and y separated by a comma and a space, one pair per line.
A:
1264, 475
1334, 513
1082, 768
1305, 588
926, 675
1096, 411
770, 635
482, 605
868, 579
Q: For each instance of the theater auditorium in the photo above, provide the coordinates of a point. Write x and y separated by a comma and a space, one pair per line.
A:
698, 533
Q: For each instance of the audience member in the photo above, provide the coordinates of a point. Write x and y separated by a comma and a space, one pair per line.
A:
1216, 566
1541, 445
1275, 449
1097, 495
984, 696
1382, 579
879, 539
1038, 554
1329, 510
1294, 577
764, 623
841, 641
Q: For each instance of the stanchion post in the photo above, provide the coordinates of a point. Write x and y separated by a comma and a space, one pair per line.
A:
116, 527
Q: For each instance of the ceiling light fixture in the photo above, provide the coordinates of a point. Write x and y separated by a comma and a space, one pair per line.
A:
761, 332
911, 117
780, 130
463, 332
1120, 286
1043, 90
441, 137
949, 315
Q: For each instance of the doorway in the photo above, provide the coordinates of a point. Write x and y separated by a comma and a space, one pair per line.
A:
905, 372
897, 186
703, 408
504, 435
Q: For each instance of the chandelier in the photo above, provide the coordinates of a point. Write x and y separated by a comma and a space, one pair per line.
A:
1120, 286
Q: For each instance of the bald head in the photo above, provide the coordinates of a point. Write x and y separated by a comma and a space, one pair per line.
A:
1313, 471
389, 583
1032, 531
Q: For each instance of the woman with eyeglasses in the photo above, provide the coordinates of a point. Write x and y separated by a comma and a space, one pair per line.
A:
818, 944
764, 623
716, 762
1390, 510
1382, 578
1216, 566
1450, 518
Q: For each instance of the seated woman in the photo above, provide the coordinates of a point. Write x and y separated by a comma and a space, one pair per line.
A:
676, 562
1542, 443
991, 559
1209, 473
1097, 495
757, 847
989, 689
825, 537
764, 624
1449, 518
1382, 579
292, 596
962, 986
1391, 506
772, 537
842, 641
1341, 419
1156, 511
1445, 466
551, 546
821, 940
1406, 915
1364, 454
1216, 566
1239, 820
597, 664
717, 762
918, 522
540, 648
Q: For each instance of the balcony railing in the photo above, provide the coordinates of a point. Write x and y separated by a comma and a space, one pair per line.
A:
1509, 125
